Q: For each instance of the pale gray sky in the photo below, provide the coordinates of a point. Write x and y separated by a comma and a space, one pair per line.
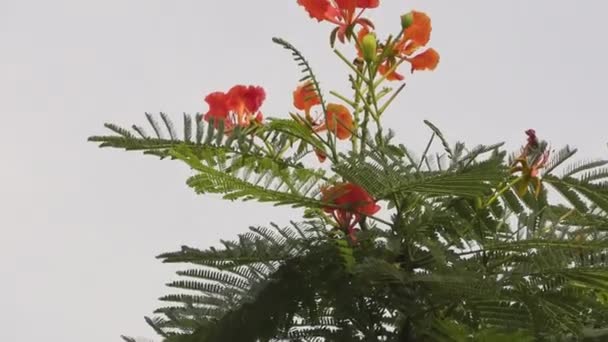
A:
81, 226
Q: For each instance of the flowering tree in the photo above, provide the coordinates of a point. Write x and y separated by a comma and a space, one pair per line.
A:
458, 244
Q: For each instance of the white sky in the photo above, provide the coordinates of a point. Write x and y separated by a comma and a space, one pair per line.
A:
80, 226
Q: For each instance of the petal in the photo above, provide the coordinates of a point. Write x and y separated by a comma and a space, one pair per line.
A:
368, 3
253, 98
347, 5
339, 121
321, 156
420, 30
218, 106
359, 199
333, 195
350, 196
345, 126
305, 96
235, 98
393, 76
245, 99
316, 8
259, 118
370, 209
428, 60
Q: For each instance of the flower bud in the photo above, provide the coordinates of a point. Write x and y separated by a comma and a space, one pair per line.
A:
358, 63
407, 20
478, 203
369, 47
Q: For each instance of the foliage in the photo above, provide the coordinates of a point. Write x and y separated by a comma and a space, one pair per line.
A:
471, 245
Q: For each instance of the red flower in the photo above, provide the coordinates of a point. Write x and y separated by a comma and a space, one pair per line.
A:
237, 107
340, 12
245, 101
218, 106
348, 204
316, 8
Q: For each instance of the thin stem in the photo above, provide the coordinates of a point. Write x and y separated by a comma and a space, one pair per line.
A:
502, 191
389, 71
381, 220
364, 131
356, 85
426, 151
391, 99
350, 65
372, 90
343, 98
372, 71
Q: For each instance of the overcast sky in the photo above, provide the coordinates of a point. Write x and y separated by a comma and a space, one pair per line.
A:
81, 226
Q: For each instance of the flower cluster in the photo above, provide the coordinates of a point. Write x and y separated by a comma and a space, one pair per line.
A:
410, 46
239, 106
377, 61
529, 163
342, 13
338, 120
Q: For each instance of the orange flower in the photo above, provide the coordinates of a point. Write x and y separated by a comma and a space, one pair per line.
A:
339, 121
340, 12
218, 109
415, 37
237, 107
427, 60
348, 204
305, 97
411, 48
386, 65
